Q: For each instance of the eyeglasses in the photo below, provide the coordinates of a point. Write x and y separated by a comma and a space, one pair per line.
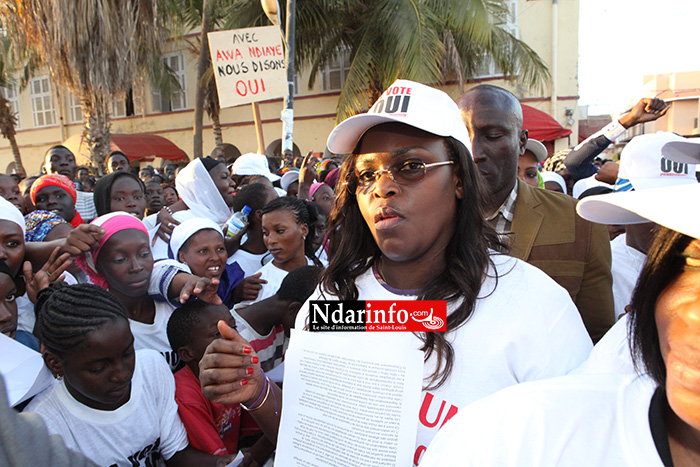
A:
407, 173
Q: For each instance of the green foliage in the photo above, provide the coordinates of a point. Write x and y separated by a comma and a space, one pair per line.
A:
430, 41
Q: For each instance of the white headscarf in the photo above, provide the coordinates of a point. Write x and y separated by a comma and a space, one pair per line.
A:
197, 189
548, 176
9, 212
184, 231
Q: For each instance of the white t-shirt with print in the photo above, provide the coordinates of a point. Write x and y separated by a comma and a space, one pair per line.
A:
142, 431
510, 338
249, 262
582, 420
155, 336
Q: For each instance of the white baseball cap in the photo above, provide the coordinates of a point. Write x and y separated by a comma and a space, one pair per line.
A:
667, 205
643, 164
407, 102
537, 149
587, 183
687, 151
253, 164
288, 178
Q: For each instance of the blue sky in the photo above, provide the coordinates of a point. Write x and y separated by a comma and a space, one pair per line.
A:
626, 39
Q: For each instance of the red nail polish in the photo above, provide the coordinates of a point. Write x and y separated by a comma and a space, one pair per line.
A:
247, 350
249, 371
244, 382
255, 360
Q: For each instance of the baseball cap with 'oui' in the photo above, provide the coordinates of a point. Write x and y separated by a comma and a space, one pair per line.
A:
407, 102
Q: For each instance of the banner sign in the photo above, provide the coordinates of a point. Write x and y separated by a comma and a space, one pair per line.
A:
249, 65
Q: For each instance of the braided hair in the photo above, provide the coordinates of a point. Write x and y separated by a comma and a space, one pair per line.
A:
304, 214
66, 314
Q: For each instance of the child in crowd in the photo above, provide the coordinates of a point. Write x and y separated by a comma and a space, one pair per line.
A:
8, 306
56, 193
320, 239
170, 195
288, 226
323, 195
266, 324
253, 254
25, 187
113, 404
154, 198
120, 191
211, 427
10, 191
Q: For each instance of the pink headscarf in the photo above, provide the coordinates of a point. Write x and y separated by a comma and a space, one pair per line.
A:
112, 223
314, 188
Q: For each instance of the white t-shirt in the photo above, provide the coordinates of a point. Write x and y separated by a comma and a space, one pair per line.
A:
155, 336
249, 262
583, 420
626, 266
274, 277
611, 354
139, 432
509, 339
269, 348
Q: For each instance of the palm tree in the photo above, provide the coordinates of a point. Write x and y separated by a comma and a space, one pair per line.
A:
430, 41
13, 60
8, 120
94, 49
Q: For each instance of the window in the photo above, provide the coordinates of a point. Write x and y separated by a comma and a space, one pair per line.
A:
118, 108
336, 71
12, 95
178, 100
42, 102
488, 68
76, 110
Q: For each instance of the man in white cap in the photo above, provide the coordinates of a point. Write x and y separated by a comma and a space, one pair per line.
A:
643, 166
543, 227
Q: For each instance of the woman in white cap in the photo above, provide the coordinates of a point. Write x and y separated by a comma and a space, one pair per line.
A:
528, 163
610, 419
408, 224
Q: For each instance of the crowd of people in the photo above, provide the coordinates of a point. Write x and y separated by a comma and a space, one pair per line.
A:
572, 332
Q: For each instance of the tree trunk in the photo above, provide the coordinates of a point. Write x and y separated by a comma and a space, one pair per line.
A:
7, 127
216, 128
202, 65
97, 127
19, 168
